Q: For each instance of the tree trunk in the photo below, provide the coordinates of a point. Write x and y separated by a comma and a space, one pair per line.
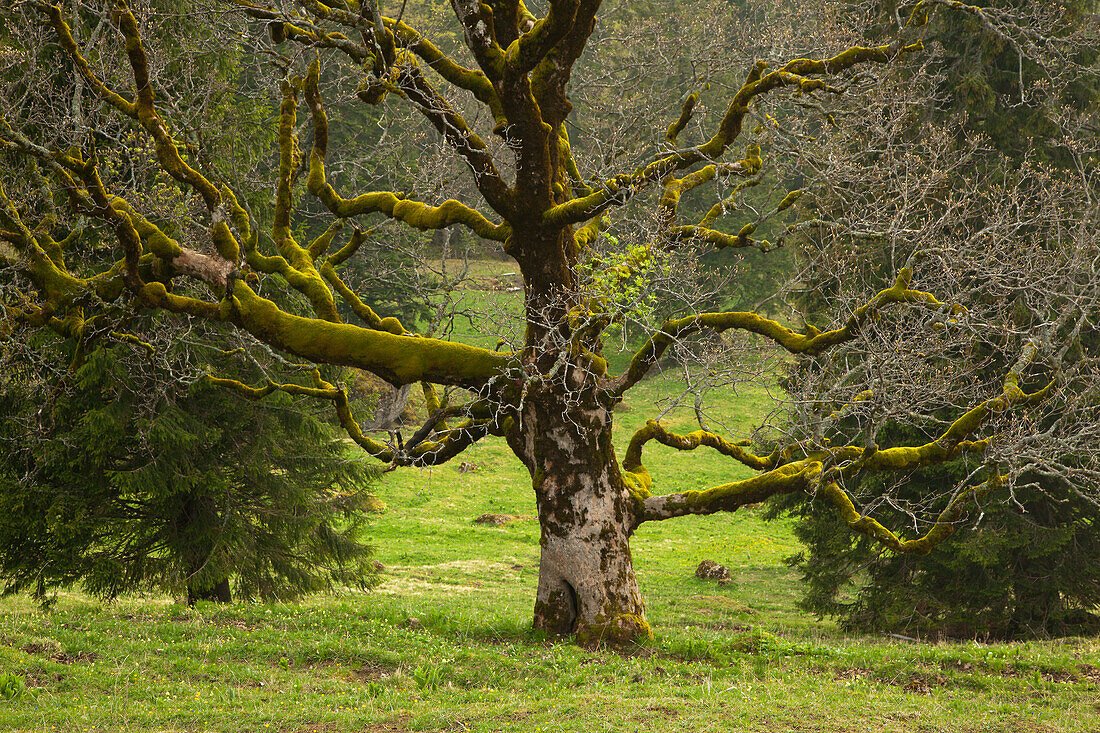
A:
218, 593
586, 585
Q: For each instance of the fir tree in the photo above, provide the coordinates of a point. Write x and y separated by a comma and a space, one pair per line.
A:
122, 478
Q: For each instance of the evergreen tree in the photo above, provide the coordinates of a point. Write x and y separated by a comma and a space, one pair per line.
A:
122, 478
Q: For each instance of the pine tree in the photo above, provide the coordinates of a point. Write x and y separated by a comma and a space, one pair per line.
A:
121, 479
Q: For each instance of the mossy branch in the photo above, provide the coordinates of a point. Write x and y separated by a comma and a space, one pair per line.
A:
618, 190
415, 214
524, 53
471, 80
687, 109
941, 529
796, 476
653, 430
143, 109
811, 343
397, 359
449, 443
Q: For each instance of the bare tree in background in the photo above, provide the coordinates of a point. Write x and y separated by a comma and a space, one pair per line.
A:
545, 108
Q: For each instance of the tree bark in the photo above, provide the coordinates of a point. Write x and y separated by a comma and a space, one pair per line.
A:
586, 584
218, 593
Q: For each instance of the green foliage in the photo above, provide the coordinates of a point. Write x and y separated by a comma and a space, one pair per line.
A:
120, 476
12, 686
1030, 569
619, 281
429, 678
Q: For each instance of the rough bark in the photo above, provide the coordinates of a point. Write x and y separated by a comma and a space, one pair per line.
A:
587, 584
218, 593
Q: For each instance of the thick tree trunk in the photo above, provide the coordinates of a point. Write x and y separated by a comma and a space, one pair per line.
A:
219, 593
586, 585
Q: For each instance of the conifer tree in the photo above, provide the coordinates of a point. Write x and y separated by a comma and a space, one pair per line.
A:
135, 478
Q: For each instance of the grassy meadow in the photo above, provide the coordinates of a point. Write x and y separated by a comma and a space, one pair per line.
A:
443, 644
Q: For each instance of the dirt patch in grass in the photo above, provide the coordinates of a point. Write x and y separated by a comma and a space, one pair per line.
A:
317, 728
499, 520
74, 658
707, 602
372, 671
39, 680
396, 725
665, 712
920, 682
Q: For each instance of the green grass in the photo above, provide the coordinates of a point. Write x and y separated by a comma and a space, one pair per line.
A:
444, 645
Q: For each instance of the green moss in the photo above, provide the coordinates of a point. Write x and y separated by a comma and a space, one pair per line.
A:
622, 630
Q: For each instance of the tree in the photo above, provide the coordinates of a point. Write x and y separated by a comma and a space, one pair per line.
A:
1029, 569
140, 476
550, 391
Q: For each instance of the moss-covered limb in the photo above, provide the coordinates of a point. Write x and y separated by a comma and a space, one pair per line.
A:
687, 109
565, 150
296, 29
449, 443
616, 191
796, 476
296, 264
130, 338
320, 390
796, 72
480, 34
393, 205
587, 234
319, 247
675, 188
811, 343
160, 244
175, 259
127, 235
471, 80
62, 166
524, 53
653, 430
717, 239
355, 241
941, 529
1011, 396
720, 240
397, 359
362, 311
65, 38
143, 109
249, 234
551, 76
167, 152
726, 204
56, 284
445, 444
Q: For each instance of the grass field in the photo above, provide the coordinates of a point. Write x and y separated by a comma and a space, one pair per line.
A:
443, 643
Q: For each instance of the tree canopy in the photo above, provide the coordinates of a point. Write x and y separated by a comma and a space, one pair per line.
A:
541, 105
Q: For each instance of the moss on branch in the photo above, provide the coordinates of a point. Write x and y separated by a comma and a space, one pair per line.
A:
795, 476
394, 205
941, 529
811, 343
758, 82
